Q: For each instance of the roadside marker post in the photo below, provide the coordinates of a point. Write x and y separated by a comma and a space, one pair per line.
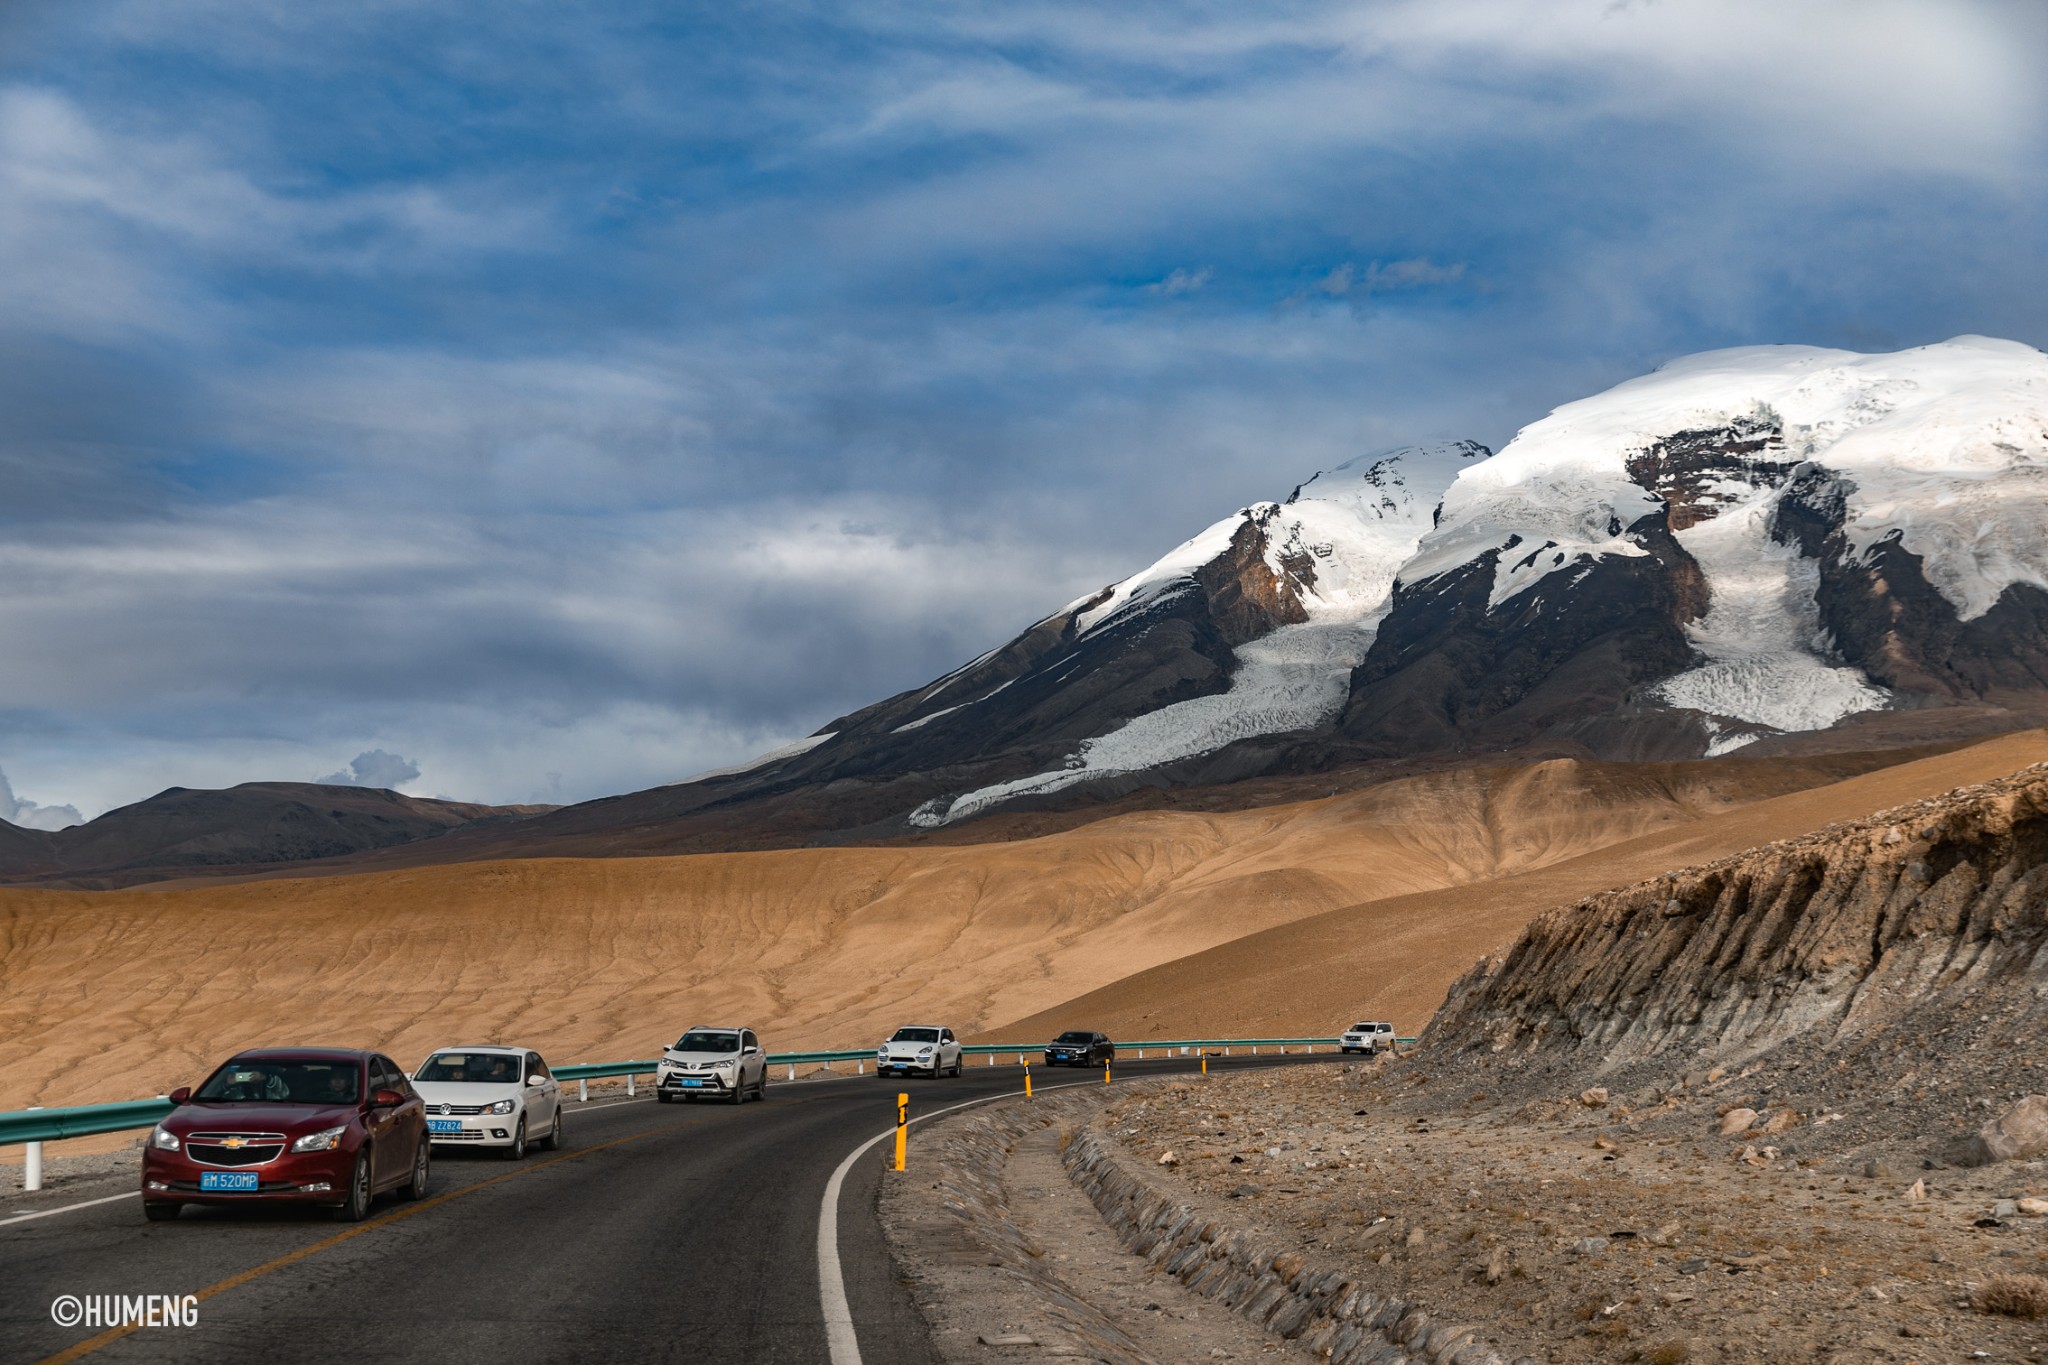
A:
1027, 1080
902, 1126
1205, 1062
629, 1085
583, 1092
1105, 1073
32, 1163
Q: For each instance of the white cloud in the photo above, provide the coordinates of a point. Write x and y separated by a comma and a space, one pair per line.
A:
29, 815
373, 768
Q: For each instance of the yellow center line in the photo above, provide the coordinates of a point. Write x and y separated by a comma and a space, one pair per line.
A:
114, 1334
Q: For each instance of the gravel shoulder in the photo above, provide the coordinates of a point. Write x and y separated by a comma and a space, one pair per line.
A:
1620, 1226
1008, 1260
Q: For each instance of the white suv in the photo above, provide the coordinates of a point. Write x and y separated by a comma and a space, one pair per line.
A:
919, 1047
720, 1063
1369, 1038
502, 1097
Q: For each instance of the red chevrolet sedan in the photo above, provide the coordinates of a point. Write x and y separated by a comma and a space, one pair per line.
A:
302, 1125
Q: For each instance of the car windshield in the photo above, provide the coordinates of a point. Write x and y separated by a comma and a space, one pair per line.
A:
284, 1083
916, 1035
1075, 1037
708, 1042
1361, 1028
488, 1068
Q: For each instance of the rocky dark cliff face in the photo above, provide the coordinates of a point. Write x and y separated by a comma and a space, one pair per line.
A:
1698, 472
1888, 620
1447, 671
1918, 914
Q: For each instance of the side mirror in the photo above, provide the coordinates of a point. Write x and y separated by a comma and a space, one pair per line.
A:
182, 1095
752, 1050
536, 1080
386, 1099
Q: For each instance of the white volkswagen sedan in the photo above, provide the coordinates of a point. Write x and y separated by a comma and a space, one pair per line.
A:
919, 1047
500, 1097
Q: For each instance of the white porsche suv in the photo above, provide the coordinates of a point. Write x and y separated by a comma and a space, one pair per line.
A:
496, 1096
719, 1063
919, 1047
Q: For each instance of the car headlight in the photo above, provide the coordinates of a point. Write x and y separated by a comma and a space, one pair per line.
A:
882, 1051
163, 1141
726, 1065
326, 1140
503, 1107
924, 1052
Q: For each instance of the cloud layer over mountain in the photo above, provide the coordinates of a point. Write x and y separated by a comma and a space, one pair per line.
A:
571, 400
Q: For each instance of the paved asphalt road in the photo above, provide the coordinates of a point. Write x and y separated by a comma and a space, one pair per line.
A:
660, 1232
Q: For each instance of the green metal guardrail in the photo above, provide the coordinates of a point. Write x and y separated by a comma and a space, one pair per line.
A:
85, 1120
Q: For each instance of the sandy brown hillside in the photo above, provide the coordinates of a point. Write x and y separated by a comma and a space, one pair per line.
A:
1394, 957
111, 994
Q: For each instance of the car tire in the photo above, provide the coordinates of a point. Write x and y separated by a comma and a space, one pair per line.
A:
739, 1092
663, 1097
553, 1141
517, 1151
422, 1172
761, 1086
161, 1211
355, 1207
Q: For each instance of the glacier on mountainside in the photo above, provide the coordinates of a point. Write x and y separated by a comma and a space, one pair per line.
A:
1353, 526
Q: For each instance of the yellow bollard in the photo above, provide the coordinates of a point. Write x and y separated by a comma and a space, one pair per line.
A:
1027, 1080
902, 1126
1205, 1064
1105, 1073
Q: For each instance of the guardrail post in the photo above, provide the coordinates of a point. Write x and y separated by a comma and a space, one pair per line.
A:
1141, 1054
629, 1085
860, 1068
792, 1070
583, 1092
32, 1164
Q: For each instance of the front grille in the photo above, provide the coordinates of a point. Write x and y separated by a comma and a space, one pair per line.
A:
251, 1149
438, 1111
262, 1187
466, 1135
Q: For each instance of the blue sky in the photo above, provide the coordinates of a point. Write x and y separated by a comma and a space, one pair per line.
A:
558, 399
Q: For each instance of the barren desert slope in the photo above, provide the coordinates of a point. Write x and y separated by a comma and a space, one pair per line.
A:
1394, 957
107, 995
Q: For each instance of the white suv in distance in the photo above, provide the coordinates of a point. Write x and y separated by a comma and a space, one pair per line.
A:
502, 1097
721, 1063
1369, 1038
919, 1047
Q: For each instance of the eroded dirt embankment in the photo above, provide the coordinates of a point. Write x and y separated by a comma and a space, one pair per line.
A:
1921, 930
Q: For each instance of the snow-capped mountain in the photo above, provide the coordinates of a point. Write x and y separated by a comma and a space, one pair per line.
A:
1767, 539
1743, 544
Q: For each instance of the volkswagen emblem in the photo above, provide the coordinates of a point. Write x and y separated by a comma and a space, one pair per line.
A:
445, 1109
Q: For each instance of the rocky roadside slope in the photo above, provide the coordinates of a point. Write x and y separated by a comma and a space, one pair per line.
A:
1773, 1106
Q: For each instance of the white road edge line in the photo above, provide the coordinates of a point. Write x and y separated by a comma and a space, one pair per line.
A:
52, 1213
840, 1338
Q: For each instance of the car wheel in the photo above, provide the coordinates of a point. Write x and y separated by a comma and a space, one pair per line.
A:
416, 1188
662, 1097
553, 1141
356, 1207
517, 1151
761, 1086
738, 1094
161, 1212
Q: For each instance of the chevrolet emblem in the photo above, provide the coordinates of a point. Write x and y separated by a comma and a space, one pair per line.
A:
234, 1142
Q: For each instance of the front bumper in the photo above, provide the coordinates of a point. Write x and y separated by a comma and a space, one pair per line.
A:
306, 1178
905, 1064
475, 1130
691, 1083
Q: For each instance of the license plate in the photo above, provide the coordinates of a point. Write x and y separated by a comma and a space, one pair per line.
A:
228, 1182
690, 1083
444, 1125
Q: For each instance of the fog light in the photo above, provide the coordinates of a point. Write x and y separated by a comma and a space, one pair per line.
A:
499, 1132
159, 1186
317, 1187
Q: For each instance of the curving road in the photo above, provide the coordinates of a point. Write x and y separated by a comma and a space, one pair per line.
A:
659, 1232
